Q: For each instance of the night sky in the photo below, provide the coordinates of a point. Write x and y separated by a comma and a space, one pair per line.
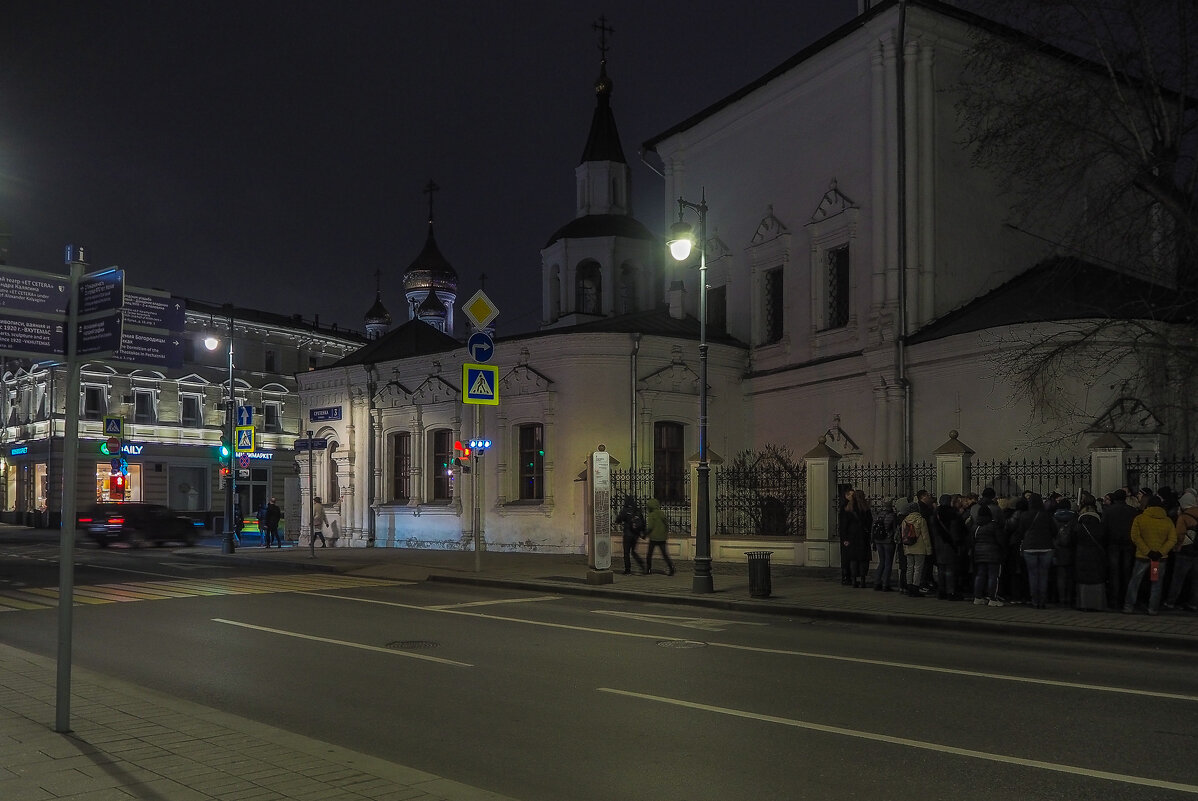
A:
273, 154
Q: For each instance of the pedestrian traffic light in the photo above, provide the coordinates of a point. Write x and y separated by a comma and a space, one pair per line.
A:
480, 444
223, 450
116, 487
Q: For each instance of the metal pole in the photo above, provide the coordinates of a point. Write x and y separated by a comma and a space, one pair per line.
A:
66, 559
226, 545
702, 582
311, 512
476, 471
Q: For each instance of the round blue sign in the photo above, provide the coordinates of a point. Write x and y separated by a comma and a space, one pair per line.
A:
481, 347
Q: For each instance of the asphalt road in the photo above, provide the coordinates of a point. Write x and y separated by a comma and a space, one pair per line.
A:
545, 698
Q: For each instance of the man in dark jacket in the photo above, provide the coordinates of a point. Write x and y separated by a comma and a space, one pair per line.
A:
270, 523
948, 537
1121, 552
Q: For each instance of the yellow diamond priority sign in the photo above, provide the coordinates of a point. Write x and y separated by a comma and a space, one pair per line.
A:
480, 310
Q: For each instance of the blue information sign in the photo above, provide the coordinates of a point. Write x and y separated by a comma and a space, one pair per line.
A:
481, 346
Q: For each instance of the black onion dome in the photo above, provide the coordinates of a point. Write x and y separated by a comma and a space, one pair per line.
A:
431, 270
603, 141
432, 306
600, 225
378, 312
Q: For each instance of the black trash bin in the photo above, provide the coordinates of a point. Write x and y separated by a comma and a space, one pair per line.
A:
759, 573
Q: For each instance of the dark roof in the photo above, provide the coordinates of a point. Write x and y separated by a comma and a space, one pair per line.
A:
378, 312
598, 225
293, 322
413, 338
655, 322
1063, 289
603, 141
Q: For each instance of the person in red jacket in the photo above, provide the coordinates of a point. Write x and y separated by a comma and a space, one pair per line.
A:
1154, 536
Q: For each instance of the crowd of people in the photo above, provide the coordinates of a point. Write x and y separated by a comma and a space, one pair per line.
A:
1118, 552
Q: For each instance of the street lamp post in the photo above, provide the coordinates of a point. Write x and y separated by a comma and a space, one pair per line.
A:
211, 342
680, 244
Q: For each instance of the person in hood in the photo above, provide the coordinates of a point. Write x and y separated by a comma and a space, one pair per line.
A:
1185, 554
989, 546
1090, 541
917, 544
856, 521
655, 524
1154, 536
1062, 551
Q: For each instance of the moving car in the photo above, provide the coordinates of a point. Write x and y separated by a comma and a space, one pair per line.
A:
137, 524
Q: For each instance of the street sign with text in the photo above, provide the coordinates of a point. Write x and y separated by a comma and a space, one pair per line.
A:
102, 291
23, 290
153, 308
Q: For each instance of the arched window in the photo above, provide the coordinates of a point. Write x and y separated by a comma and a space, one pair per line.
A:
532, 461
442, 453
588, 289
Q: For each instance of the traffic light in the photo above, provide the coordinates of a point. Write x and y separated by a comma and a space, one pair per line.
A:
116, 487
480, 444
462, 460
223, 450
225, 472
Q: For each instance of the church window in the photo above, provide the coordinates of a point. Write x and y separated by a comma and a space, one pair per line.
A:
532, 462
669, 464
442, 471
772, 311
401, 466
836, 312
587, 289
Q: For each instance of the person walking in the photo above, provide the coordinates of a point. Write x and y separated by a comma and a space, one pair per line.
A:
1038, 536
856, 522
658, 530
989, 544
319, 521
633, 522
270, 521
1154, 536
882, 535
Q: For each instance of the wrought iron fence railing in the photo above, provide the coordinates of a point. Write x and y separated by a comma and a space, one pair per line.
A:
884, 482
1010, 477
1156, 471
760, 500
642, 483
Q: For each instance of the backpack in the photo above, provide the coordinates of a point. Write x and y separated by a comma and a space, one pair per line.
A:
910, 534
878, 532
636, 524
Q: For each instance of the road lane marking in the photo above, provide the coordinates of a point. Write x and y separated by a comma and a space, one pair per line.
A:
909, 743
491, 603
704, 623
346, 643
780, 651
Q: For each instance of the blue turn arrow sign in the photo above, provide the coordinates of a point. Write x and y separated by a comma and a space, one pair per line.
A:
481, 346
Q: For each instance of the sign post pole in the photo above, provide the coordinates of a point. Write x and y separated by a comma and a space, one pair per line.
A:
311, 522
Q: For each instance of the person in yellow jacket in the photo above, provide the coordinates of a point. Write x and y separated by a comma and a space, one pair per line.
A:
1154, 535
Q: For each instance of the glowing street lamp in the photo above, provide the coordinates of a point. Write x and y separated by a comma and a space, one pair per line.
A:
212, 342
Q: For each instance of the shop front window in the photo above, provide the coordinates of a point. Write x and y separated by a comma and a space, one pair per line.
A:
104, 484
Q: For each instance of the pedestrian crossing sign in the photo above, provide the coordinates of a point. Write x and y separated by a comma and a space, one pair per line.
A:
480, 384
244, 439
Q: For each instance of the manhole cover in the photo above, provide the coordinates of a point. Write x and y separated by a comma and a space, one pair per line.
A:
682, 644
411, 645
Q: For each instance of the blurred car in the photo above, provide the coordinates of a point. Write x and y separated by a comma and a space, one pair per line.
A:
137, 524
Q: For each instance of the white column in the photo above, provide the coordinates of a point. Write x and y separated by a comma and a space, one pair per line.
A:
821, 505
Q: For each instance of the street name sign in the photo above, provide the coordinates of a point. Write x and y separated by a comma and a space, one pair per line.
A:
153, 308
99, 335
313, 444
480, 384
322, 414
151, 346
23, 290
103, 291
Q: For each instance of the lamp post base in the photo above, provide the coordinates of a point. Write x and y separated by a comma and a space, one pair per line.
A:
226, 543
702, 581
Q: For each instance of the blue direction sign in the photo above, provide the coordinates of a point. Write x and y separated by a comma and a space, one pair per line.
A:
101, 335
150, 346
313, 444
33, 291
480, 384
154, 309
102, 291
245, 415
34, 337
481, 346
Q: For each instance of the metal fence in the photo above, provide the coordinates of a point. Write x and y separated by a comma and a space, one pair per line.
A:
640, 482
884, 482
765, 499
1156, 471
1044, 476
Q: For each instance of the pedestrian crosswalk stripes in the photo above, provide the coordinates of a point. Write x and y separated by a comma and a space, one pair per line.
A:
27, 598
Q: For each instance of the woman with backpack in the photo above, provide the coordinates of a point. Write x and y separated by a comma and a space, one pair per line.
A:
917, 544
856, 523
634, 528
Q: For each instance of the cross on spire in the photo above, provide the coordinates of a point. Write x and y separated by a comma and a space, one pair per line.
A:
430, 189
482, 281
604, 29
378, 281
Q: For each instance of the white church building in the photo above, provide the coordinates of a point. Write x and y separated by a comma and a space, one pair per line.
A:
860, 282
